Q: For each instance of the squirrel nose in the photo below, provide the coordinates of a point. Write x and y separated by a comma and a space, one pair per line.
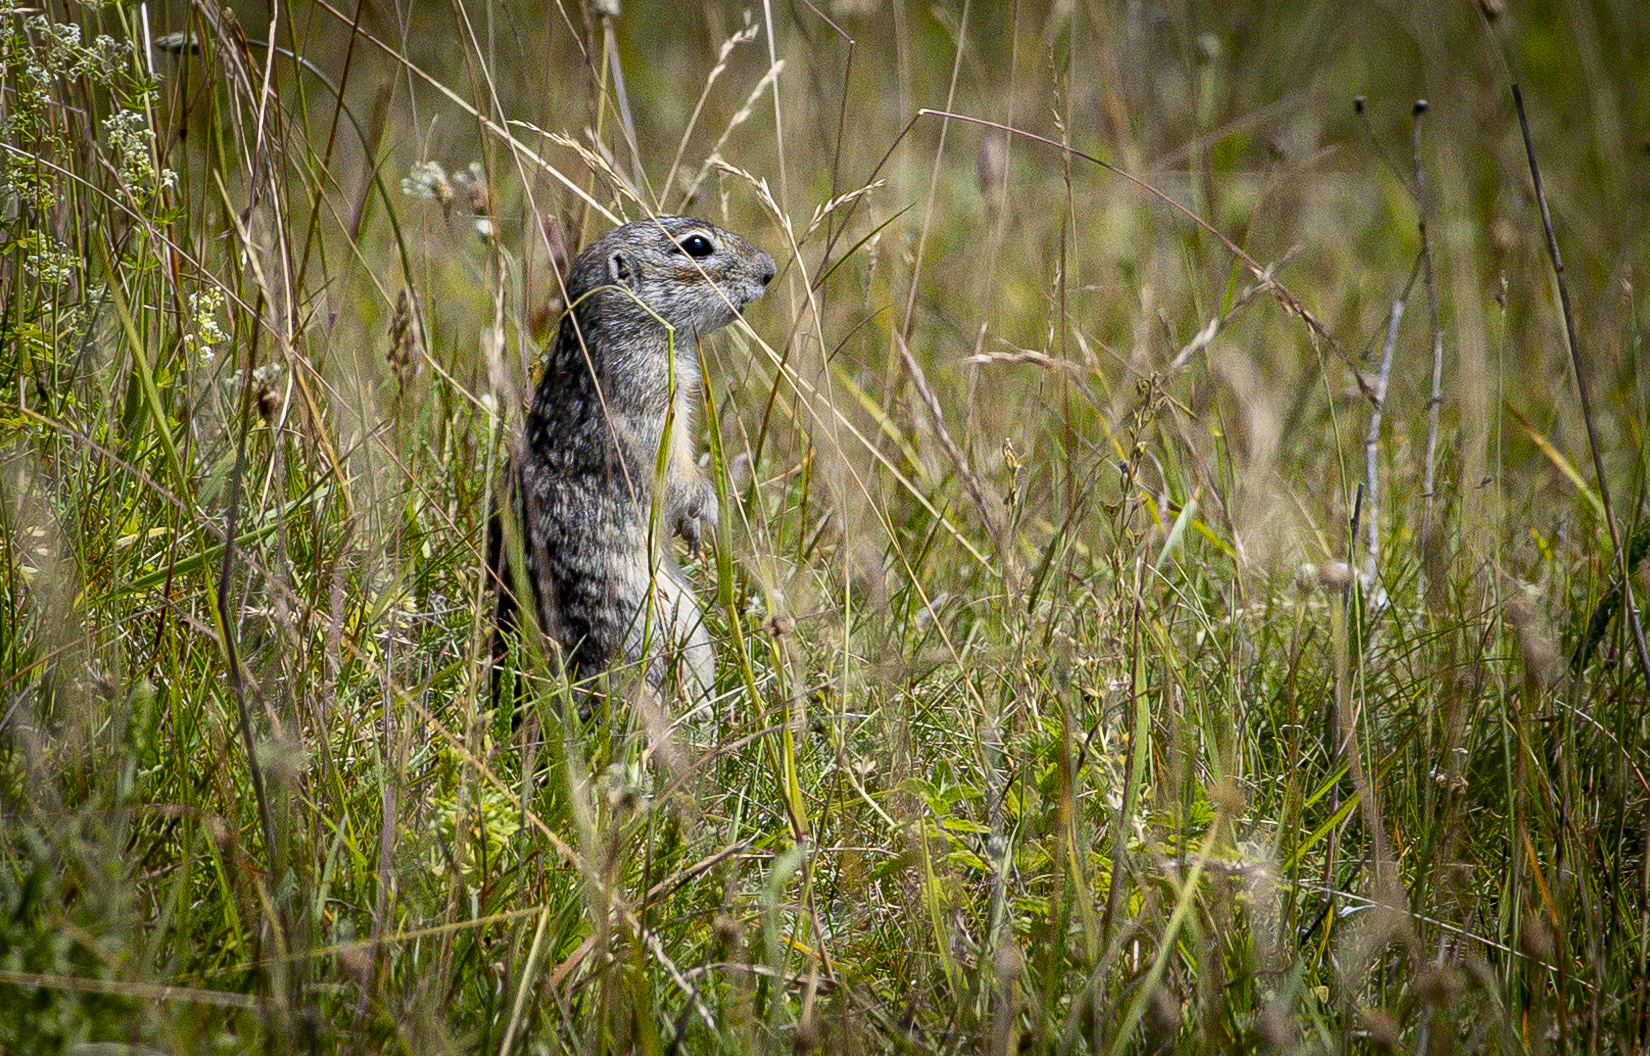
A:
768, 271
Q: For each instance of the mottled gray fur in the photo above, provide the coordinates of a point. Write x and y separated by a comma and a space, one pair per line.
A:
595, 512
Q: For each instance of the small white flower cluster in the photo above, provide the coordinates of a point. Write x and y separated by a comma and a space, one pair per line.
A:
429, 180
48, 259
133, 143
204, 334
35, 56
59, 50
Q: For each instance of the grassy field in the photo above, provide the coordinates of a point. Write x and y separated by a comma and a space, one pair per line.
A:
1166, 598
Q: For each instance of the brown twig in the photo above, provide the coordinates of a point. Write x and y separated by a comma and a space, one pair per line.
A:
1581, 390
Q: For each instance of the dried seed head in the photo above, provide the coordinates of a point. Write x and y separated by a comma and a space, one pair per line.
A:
806, 1038
1275, 1028
267, 391
1336, 575
269, 399
727, 929
1227, 798
1536, 939
1010, 963
1541, 658
403, 337
1384, 1033
1164, 1013
991, 166
1437, 986
481, 199
429, 180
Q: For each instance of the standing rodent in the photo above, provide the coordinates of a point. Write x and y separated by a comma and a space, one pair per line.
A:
594, 510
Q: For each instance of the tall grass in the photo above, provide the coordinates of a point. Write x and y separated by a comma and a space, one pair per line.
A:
1097, 671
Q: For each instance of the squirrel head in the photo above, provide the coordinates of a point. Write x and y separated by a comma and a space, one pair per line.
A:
690, 274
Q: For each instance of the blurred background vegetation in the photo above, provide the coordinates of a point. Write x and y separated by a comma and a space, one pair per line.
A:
1138, 632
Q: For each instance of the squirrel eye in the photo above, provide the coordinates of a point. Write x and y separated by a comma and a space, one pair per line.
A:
697, 246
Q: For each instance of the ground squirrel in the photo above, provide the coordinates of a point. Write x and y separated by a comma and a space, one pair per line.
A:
614, 404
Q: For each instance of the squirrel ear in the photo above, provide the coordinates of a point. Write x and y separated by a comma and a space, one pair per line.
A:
618, 269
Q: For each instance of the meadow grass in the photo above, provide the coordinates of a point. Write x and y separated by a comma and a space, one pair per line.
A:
1166, 609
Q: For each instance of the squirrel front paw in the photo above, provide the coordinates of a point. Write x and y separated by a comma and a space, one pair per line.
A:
697, 517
